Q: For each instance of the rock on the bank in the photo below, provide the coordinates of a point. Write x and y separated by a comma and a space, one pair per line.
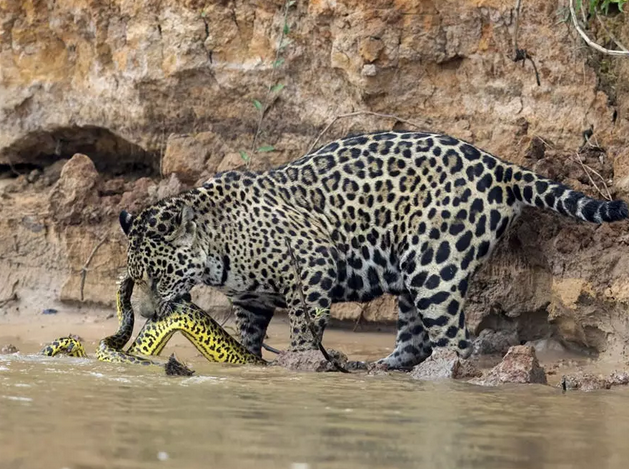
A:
519, 365
444, 364
75, 190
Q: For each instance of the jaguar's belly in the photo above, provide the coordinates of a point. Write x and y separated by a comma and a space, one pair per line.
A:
259, 300
362, 281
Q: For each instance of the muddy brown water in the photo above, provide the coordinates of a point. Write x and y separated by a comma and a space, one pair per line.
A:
78, 413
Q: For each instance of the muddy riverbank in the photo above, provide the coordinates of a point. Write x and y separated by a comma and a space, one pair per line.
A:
28, 335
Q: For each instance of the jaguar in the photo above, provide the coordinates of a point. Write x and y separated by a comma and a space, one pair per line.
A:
412, 214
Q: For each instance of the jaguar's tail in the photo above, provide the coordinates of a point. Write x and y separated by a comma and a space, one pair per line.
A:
536, 191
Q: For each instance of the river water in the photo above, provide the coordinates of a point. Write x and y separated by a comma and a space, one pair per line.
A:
78, 413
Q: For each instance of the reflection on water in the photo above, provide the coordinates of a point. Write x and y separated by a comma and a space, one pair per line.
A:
72, 413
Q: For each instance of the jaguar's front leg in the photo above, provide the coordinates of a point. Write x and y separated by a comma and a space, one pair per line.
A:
302, 327
309, 309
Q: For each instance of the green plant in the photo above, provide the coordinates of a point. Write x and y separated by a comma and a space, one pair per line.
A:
319, 312
274, 89
600, 6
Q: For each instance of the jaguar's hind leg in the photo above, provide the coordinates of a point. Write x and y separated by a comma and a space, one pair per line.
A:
412, 344
252, 322
439, 298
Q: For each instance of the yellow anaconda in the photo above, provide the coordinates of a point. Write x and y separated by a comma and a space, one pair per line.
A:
195, 324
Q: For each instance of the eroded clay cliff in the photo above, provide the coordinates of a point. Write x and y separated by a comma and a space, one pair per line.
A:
158, 95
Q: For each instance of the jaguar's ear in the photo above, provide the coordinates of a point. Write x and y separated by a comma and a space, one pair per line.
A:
126, 219
185, 227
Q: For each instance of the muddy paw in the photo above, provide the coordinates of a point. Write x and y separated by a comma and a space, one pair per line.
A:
309, 360
444, 364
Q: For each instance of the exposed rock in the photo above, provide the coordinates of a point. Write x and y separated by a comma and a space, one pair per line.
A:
583, 381
75, 190
519, 365
18, 184
52, 173
231, 161
489, 341
137, 196
174, 367
188, 156
8, 348
536, 149
444, 364
309, 360
467, 370
34, 176
166, 188
549, 345
113, 186
369, 70
618, 378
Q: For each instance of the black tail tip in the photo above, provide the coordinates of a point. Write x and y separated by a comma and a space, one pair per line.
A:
615, 211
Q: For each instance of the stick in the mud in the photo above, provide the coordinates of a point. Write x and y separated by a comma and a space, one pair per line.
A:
84, 269
309, 322
13, 296
521, 54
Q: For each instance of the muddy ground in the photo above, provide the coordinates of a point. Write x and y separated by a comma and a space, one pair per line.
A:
29, 335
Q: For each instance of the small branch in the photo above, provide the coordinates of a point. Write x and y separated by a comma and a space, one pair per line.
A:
85, 269
361, 113
359, 319
518, 3
307, 317
12, 167
586, 169
162, 150
588, 41
521, 55
12, 297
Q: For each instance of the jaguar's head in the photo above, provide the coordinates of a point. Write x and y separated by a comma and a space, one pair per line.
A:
165, 254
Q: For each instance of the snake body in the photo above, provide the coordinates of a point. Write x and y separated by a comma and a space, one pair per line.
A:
196, 325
